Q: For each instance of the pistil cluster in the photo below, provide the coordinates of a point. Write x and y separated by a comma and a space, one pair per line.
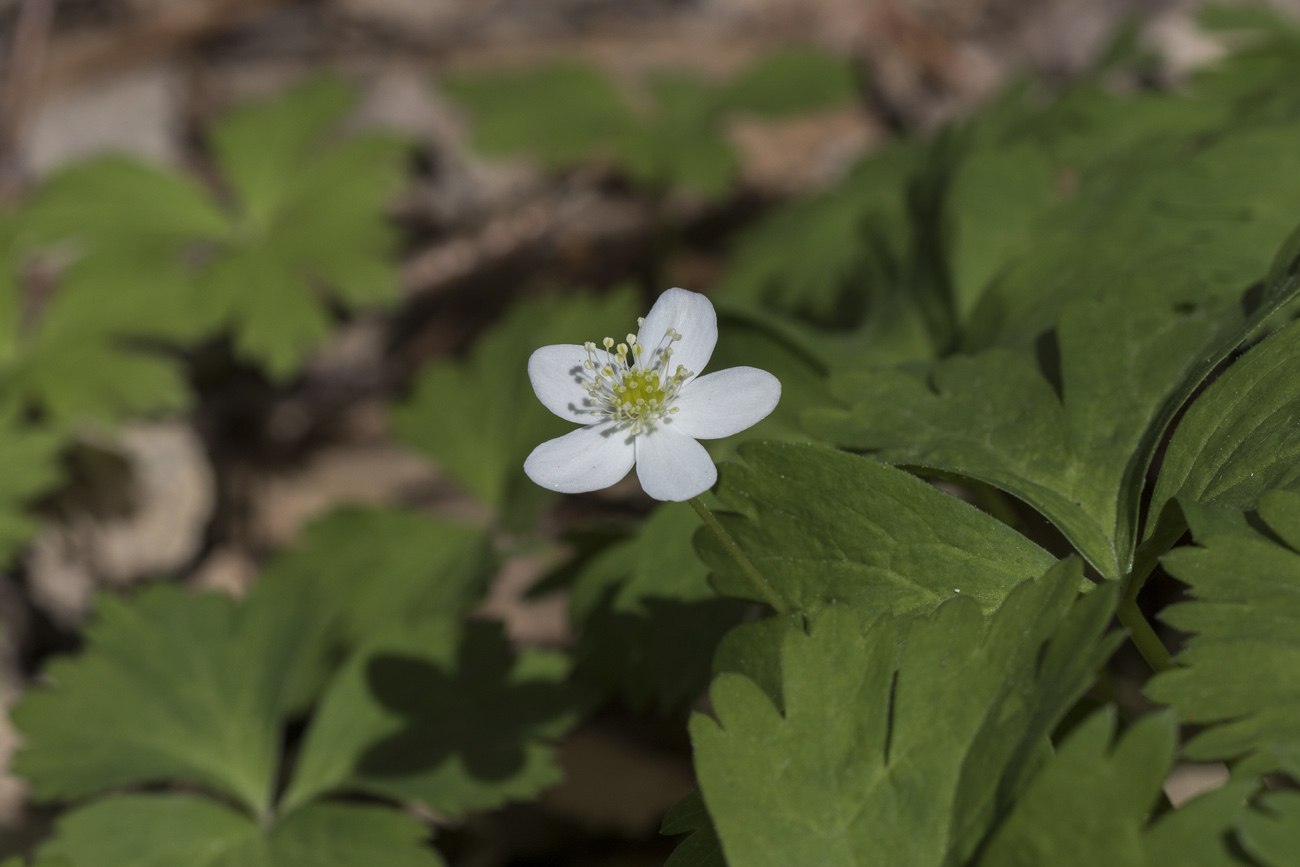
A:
625, 387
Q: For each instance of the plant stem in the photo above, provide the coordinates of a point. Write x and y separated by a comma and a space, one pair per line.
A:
729, 545
1143, 636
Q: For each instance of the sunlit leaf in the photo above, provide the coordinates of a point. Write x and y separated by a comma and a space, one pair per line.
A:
447, 717
827, 528
168, 831
897, 742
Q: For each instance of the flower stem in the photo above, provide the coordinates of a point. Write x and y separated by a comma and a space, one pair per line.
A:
755, 577
1143, 636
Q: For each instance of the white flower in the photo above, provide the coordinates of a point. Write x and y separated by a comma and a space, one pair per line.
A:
643, 405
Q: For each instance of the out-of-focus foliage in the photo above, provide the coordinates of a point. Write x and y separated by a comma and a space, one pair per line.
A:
299, 221
668, 132
1041, 301
198, 690
478, 418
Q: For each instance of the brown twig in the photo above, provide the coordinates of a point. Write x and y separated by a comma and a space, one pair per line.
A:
21, 85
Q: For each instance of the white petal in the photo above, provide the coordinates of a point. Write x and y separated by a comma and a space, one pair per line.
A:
557, 375
672, 466
726, 402
588, 459
692, 315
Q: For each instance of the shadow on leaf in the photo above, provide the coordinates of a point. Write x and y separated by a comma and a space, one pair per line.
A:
479, 711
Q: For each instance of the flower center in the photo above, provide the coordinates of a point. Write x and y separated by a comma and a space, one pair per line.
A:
624, 386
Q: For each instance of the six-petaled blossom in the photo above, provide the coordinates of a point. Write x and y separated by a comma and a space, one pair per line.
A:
643, 403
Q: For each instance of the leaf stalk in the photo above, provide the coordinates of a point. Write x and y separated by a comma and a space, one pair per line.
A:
729, 545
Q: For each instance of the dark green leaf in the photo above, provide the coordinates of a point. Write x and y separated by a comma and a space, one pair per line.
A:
827, 528
1090, 802
1242, 436
1246, 616
701, 848
1272, 833
649, 620
908, 752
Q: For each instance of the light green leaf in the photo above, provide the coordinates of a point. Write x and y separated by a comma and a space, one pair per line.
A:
561, 113
28, 469
682, 145
1245, 615
262, 146
1241, 437
176, 830
498, 419
273, 313
443, 716
791, 81
72, 357
388, 566
649, 621
1089, 803
105, 201
370, 569
171, 687
827, 528
898, 743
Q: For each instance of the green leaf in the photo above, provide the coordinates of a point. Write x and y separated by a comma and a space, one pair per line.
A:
748, 340
995, 202
370, 569
1089, 803
897, 741
1272, 833
683, 145
498, 419
1123, 370
275, 317
388, 566
561, 113
701, 848
28, 469
109, 200
170, 687
75, 355
791, 81
262, 146
174, 830
1241, 437
827, 528
443, 716
808, 258
1245, 615
649, 621
1197, 833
